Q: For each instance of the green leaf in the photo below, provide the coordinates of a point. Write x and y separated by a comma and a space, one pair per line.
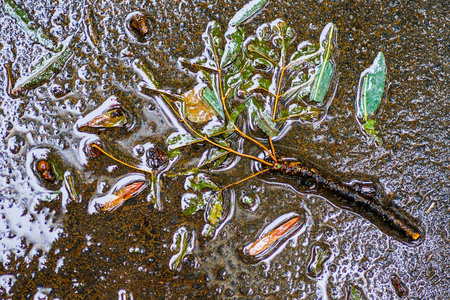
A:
146, 74
215, 213
173, 153
183, 243
305, 51
369, 128
234, 38
219, 160
262, 119
216, 155
180, 139
246, 12
233, 117
213, 42
371, 86
262, 54
355, 293
24, 21
153, 196
299, 112
211, 99
300, 87
257, 82
320, 254
199, 182
322, 82
47, 69
325, 71
283, 37
191, 203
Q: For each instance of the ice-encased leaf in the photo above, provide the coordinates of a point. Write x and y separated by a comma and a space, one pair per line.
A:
23, 20
183, 243
109, 114
124, 189
325, 70
320, 254
212, 37
70, 186
322, 82
46, 69
211, 99
180, 139
305, 51
233, 117
198, 110
262, 119
299, 112
270, 238
214, 213
199, 182
274, 237
143, 70
114, 117
234, 38
257, 82
213, 155
371, 87
246, 12
369, 127
191, 203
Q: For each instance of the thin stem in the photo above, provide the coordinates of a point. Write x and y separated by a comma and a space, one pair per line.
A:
219, 70
169, 102
365, 98
274, 156
296, 88
265, 90
259, 53
222, 96
277, 96
119, 161
91, 28
305, 58
245, 179
198, 141
238, 153
205, 137
255, 141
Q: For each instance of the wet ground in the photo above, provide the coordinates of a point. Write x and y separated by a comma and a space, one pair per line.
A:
53, 248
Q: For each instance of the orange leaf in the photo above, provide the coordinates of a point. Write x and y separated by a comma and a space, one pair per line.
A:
270, 238
122, 195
